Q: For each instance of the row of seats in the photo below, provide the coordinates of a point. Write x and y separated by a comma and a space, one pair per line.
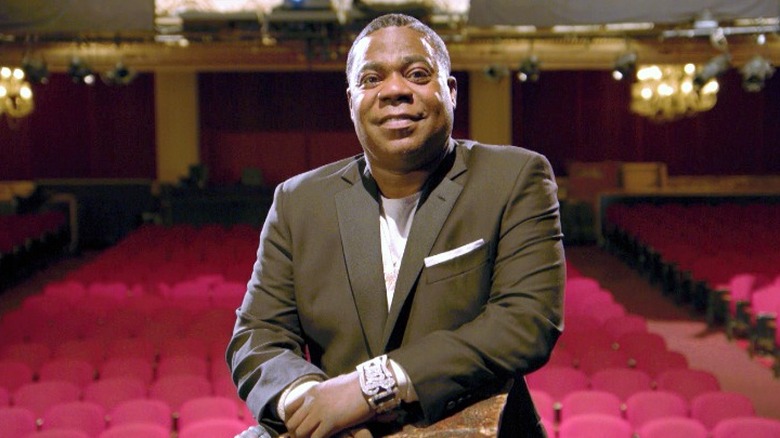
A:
28, 241
201, 417
708, 408
151, 333
155, 255
607, 426
154, 316
558, 381
610, 376
710, 255
600, 333
20, 230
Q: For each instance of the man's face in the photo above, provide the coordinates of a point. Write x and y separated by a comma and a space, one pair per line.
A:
400, 102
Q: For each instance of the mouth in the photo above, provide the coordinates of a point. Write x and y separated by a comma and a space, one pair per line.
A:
399, 121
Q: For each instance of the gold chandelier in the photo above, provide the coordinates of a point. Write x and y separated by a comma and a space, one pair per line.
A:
671, 92
16, 96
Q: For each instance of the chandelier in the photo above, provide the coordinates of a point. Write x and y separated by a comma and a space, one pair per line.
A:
671, 92
16, 96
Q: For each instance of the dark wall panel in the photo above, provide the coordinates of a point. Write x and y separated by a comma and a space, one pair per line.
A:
281, 123
584, 116
79, 131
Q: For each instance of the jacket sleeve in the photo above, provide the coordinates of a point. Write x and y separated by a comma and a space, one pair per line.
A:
266, 352
515, 331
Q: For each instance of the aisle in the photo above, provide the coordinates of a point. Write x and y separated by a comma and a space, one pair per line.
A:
683, 330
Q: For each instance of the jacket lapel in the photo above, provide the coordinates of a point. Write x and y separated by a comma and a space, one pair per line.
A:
433, 211
358, 215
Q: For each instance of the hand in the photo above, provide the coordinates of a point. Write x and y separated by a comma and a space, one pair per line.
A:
329, 407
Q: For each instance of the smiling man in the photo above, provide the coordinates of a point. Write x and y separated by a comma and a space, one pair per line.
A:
409, 282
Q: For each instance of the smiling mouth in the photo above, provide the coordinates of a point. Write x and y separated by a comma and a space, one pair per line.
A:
399, 121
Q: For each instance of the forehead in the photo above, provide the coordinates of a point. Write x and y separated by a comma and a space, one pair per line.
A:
392, 44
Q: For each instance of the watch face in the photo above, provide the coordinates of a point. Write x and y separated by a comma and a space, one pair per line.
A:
378, 385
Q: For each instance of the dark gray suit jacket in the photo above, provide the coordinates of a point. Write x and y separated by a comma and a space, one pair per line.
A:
461, 329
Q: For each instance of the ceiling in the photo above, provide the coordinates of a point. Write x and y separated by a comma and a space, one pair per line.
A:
307, 34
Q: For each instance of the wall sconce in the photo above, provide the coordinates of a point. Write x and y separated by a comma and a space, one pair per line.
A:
625, 66
529, 69
80, 72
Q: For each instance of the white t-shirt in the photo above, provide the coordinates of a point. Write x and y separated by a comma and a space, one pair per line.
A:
395, 222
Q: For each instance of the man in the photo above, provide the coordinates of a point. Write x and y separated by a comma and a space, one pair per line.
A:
409, 282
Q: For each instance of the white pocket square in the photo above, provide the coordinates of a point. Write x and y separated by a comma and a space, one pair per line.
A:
453, 253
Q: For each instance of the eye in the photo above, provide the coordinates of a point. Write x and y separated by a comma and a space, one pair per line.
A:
419, 75
368, 79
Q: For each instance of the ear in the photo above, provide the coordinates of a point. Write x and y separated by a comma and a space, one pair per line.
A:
452, 84
349, 102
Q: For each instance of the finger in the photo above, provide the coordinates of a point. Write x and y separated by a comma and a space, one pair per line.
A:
294, 417
362, 433
306, 428
293, 406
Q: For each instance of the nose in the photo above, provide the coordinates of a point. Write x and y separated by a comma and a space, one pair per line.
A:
395, 89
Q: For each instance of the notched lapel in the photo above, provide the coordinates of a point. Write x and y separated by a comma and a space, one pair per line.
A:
428, 222
358, 215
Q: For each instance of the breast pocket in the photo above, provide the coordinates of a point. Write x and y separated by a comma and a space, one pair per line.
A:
461, 265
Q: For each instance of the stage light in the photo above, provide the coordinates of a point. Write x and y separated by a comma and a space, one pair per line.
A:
529, 69
496, 72
36, 70
712, 69
625, 66
80, 72
755, 73
119, 75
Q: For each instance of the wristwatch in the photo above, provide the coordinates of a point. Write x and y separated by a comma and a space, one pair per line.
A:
378, 385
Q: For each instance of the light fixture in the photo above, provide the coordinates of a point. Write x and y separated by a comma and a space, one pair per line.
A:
119, 75
755, 73
667, 92
496, 72
453, 11
625, 65
35, 70
529, 69
712, 70
80, 72
16, 96
342, 8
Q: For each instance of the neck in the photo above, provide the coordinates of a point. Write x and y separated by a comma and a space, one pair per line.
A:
395, 183
399, 185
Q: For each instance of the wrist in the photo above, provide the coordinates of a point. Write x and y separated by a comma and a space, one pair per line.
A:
378, 385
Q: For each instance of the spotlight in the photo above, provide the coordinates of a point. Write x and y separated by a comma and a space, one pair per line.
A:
755, 73
625, 66
712, 69
529, 69
120, 75
718, 39
496, 72
80, 72
36, 70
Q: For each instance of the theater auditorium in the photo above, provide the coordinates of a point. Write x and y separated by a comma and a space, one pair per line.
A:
141, 143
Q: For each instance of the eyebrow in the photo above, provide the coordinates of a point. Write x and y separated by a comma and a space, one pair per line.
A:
406, 61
